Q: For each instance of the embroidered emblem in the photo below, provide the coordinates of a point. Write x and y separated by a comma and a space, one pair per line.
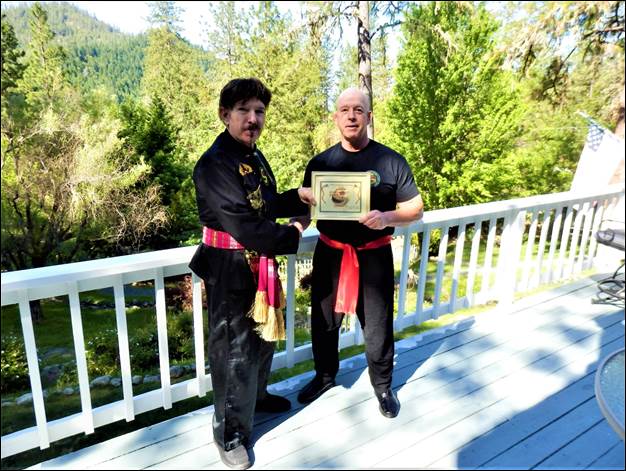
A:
245, 169
256, 199
265, 177
374, 178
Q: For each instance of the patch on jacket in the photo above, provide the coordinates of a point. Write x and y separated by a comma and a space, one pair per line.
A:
265, 177
245, 169
256, 198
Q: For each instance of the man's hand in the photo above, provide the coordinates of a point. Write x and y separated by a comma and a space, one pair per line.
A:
374, 220
405, 213
306, 195
297, 225
301, 222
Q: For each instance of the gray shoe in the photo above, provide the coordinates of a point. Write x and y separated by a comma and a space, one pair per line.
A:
237, 458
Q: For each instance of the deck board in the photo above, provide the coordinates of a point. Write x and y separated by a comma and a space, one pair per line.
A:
512, 388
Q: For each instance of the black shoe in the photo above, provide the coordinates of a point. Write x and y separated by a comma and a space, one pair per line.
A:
389, 404
237, 458
314, 389
272, 403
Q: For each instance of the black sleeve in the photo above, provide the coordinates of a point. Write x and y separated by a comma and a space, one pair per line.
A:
406, 188
220, 188
307, 175
288, 204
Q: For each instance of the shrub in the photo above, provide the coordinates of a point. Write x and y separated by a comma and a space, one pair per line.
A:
14, 365
102, 352
180, 339
144, 350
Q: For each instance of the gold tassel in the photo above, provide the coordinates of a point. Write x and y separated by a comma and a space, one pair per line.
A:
280, 325
274, 328
260, 308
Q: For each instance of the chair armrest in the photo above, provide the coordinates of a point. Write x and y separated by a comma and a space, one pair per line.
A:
611, 237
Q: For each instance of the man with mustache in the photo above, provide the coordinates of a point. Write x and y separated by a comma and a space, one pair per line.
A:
238, 204
367, 289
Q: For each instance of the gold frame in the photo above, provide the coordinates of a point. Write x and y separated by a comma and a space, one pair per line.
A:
340, 195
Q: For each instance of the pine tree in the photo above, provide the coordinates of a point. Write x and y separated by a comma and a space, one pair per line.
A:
173, 74
166, 14
568, 57
12, 68
43, 82
287, 62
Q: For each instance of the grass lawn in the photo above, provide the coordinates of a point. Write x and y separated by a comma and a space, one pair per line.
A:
56, 329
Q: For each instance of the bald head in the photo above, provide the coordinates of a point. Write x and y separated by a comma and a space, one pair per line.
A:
352, 117
352, 95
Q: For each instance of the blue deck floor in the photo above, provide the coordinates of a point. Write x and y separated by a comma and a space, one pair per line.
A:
508, 389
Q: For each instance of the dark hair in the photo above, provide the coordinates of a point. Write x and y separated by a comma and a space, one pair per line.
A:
243, 90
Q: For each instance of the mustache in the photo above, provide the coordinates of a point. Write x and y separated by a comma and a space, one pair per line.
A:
252, 127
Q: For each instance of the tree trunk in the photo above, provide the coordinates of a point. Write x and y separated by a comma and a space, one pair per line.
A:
365, 57
36, 313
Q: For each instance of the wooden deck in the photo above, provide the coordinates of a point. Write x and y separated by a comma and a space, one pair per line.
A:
509, 389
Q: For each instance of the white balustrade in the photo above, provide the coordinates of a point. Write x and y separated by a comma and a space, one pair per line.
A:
516, 270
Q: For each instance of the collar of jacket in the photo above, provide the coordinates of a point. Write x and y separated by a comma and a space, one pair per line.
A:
233, 145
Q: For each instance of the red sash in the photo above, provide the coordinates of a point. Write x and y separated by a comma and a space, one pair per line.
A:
269, 301
348, 287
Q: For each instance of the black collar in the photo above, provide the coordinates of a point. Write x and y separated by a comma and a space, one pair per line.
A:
232, 144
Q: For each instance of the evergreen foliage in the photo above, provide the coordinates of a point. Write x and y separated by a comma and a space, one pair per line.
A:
482, 110
65, 184
12, 68
296, 72
455, 112
568, 58
173, 73
98, 55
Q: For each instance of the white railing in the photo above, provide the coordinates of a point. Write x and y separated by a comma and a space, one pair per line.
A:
565, 221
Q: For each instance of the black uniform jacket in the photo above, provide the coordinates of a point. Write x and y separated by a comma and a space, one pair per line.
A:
236, 193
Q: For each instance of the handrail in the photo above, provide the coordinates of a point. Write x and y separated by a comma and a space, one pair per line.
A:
565, 222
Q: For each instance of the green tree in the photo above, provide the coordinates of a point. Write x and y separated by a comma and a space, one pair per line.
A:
44, 80
172, 73
12, 68
64, 180
97, 54
548, 35
12, 72
226, 35
372, 19
568, 57
182, 101
296, 72
166, 14
455, 111
150, 137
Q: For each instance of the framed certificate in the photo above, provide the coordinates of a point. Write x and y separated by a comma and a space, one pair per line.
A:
340, 195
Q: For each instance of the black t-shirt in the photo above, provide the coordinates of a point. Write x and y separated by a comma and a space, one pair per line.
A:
392, 182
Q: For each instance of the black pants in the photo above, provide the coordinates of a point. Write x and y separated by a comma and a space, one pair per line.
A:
240, 362
374, 311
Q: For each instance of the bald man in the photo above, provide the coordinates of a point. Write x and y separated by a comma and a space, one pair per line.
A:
394, 201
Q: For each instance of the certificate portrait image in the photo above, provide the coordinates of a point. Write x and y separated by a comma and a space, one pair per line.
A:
340, 195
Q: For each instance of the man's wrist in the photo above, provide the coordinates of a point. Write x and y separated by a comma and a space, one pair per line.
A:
297, 225
384, 216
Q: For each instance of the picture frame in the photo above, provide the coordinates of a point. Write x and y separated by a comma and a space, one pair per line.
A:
340, 195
